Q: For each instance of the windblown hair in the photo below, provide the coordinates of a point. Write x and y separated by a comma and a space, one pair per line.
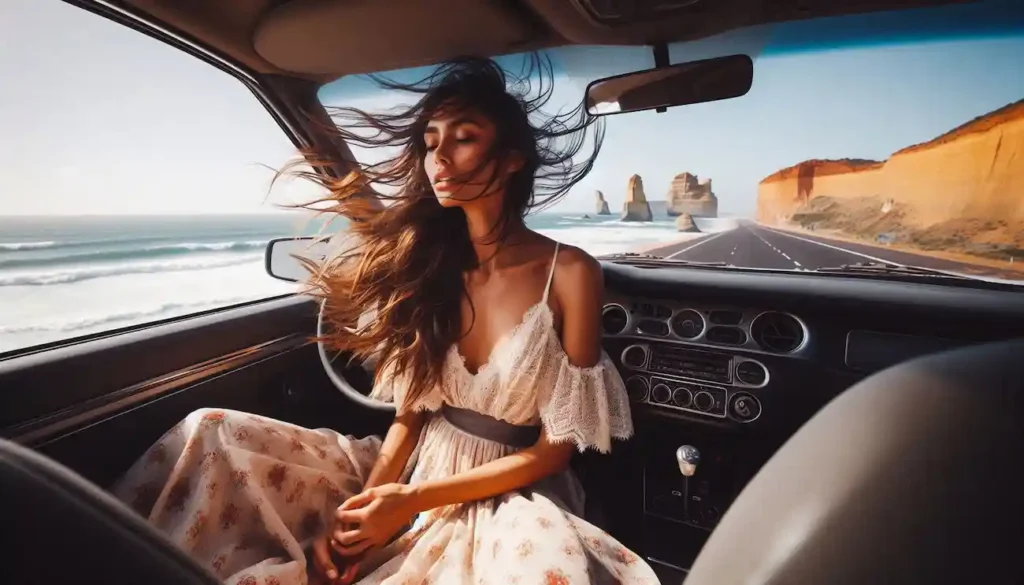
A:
409, 258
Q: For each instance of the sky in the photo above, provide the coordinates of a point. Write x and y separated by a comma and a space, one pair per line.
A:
98, 119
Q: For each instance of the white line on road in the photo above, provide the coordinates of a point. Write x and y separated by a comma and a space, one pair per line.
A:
829, 246
770, 245
704, 241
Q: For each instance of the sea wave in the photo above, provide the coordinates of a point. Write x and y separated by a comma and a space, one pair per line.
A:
80, 274
15, 246
134, 254
112, 320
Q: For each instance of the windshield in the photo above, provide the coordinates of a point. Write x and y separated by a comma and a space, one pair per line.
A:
861, 140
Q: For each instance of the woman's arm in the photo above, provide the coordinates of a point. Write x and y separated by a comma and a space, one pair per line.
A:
396, 448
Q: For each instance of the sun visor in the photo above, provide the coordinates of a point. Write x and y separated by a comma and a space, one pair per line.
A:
338, 38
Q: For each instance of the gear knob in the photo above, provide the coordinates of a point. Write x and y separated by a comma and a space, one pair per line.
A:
688, 457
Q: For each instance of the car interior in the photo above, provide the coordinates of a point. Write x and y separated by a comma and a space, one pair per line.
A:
790, 428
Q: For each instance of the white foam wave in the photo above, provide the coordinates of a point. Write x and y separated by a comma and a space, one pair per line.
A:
15, 246
211, 246
111, 321
79, 274
601, 238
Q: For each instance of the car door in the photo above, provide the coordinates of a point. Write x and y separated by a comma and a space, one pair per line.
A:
134, 214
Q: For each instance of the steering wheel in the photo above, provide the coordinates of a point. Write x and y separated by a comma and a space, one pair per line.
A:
338, 379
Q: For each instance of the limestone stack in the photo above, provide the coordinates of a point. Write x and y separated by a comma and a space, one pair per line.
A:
602, 204
684, 223
636, 208
689, 195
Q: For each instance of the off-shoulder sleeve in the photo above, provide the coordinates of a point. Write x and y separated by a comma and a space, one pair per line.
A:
392, 388
588, 406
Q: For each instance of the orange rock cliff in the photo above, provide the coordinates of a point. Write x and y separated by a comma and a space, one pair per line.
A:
973, 171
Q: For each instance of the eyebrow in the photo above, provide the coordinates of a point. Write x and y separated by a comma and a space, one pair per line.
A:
454, 124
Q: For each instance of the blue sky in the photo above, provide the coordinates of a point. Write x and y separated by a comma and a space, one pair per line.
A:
190, 139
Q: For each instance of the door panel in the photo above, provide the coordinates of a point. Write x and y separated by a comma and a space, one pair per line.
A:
96, 406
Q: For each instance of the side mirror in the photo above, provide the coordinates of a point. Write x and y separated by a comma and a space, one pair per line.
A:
695, 82
281, 259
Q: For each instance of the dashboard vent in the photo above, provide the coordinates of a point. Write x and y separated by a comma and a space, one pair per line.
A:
614, 319
726, 335
777, 332
725, 317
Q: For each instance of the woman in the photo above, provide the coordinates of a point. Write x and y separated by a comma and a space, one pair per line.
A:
489, 346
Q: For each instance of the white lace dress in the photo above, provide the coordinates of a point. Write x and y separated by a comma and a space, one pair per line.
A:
245, 495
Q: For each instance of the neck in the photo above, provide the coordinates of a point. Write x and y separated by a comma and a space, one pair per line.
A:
482, 222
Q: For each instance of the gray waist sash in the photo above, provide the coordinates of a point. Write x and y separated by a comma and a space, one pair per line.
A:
490, 428
561, 488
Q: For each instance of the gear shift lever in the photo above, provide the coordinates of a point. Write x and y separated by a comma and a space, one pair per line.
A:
688, 457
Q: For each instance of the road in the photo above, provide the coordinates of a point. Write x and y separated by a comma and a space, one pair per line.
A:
755, 246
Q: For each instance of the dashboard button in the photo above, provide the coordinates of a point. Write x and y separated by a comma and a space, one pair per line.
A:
744, 407
703, 400
661, 393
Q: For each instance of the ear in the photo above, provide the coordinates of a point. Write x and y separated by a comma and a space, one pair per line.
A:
514, 162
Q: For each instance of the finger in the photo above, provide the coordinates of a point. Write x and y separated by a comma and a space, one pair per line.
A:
353, 549
322, 559
357, 501
349, 574
348, 538
350, 516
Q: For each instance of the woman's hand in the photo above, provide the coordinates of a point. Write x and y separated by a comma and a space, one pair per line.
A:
326, 566
372, 518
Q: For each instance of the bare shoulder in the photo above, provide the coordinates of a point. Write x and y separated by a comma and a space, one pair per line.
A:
575, 264
578, 276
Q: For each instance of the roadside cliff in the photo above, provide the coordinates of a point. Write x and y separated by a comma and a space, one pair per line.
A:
962, 189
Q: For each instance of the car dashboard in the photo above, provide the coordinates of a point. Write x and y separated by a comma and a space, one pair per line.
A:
731, 363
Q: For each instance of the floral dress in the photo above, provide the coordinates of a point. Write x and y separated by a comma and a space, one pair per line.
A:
245, 495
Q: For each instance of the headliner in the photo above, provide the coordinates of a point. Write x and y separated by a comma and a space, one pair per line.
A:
322, 40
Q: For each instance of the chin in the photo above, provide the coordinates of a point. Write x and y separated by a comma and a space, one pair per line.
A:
447, 200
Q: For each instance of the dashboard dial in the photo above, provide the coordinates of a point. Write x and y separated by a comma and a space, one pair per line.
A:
635, 356
688, 324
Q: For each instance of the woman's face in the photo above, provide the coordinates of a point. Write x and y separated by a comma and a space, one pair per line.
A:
457, 143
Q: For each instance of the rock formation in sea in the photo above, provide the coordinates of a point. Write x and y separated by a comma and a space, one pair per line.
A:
601, 204
957, 192
636, 208
688, 194
684, 223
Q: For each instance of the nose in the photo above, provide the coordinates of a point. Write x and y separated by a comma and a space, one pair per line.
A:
442, 156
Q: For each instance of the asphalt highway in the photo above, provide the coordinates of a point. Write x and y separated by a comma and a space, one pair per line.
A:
755, 246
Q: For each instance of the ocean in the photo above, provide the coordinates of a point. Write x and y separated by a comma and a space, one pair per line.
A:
64, 277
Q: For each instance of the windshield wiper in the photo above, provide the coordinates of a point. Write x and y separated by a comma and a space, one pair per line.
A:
652, 260
887, 268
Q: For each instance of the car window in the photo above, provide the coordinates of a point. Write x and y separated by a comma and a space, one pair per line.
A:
132, 185
893, 137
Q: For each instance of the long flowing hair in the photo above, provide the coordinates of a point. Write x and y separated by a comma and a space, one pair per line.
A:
409, 258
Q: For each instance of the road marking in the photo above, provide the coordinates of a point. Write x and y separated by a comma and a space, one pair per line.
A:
769, 244
704, 241
829, 246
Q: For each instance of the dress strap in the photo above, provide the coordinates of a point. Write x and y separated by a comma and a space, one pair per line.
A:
551, 275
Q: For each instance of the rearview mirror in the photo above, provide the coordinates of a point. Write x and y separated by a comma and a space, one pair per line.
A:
695, 82
281, 256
